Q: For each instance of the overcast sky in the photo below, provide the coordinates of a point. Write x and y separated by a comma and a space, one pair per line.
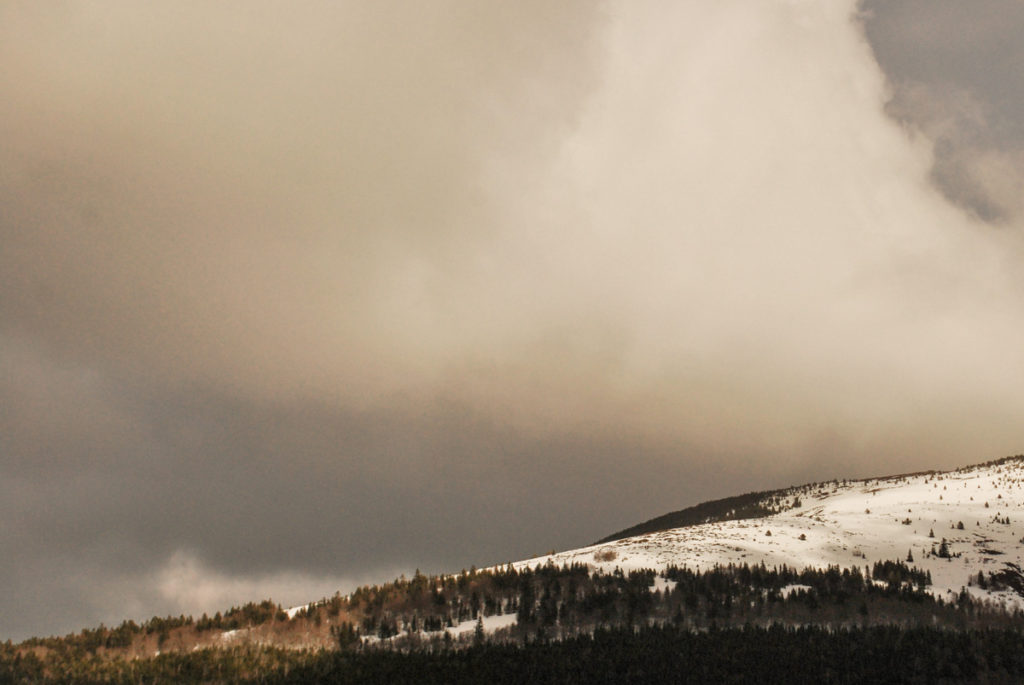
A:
300, 296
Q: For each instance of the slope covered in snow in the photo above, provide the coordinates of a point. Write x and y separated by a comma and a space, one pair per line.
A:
952, 524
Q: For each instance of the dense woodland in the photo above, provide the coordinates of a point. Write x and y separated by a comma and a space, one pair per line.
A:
667, 653
571, 623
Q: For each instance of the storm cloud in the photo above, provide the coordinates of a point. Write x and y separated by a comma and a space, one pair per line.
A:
296, 298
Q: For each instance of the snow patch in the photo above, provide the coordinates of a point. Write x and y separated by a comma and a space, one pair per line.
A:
795, 587
295, 610
663, 584
491, 624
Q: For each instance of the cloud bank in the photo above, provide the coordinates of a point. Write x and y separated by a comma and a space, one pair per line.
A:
343, 289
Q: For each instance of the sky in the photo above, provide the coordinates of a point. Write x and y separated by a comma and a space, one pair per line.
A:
300, 297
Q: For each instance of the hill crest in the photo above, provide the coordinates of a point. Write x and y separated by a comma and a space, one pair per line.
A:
951, 523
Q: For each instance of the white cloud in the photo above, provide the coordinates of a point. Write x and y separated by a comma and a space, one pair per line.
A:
671, 224
753, 242
186, 585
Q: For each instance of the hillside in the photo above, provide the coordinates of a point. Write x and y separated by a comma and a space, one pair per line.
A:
925, 550
748, 506
977, 510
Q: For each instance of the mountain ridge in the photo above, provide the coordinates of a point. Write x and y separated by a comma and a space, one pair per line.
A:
845, 523
748, 505
929, 548
753, 504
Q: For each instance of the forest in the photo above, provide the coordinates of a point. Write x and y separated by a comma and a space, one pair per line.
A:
572, 624
666, 653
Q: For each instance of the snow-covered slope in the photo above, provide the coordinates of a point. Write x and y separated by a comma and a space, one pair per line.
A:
951, 524
978, 511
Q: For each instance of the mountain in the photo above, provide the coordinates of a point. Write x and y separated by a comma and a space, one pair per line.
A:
930, 551
952, 524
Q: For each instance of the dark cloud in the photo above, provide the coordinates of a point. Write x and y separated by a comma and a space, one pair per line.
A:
296, 299
256, 489
974, 47
957, 72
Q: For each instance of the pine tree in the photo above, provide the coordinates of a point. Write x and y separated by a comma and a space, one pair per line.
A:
910, 556
345, 634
